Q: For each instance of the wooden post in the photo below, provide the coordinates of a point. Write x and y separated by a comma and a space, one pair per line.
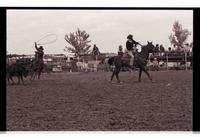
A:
96, 66
185, 60
96, 58
167, 61
148, 62
7, 60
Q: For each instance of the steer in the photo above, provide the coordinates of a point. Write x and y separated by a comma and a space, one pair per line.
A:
18, 70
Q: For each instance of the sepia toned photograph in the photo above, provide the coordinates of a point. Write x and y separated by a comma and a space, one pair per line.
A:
99, 70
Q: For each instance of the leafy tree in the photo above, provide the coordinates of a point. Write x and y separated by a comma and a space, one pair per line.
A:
79, 43
179, 35
191, 44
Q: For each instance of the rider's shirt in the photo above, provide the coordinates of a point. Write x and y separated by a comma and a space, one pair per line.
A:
39, 55
131, 44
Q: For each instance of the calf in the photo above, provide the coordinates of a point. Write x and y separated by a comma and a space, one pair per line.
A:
16, 70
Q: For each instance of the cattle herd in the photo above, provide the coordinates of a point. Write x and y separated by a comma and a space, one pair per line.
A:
22, 68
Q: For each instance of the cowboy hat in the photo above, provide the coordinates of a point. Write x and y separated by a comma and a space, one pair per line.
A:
130, 36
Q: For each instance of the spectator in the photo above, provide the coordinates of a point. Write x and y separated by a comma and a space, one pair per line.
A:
162, 50
155, 64
157, 49
169, 49
120, 51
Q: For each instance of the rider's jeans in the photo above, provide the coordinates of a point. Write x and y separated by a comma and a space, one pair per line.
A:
132, 57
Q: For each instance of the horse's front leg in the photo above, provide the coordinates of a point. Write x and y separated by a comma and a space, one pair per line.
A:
32, 76
146, 71
10, 78
22, 79
113, 73
117, 75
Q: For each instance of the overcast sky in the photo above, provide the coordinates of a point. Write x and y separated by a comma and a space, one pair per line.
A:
107, 28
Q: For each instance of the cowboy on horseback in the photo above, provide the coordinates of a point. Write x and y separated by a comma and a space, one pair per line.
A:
39, 53
140, 62
131, 47
37, 64
95, 51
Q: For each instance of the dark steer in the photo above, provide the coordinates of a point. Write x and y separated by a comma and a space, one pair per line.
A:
16, 70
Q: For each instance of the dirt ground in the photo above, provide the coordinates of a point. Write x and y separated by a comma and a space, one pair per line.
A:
88, 102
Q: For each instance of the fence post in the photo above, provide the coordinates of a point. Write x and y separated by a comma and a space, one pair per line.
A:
185, 60
96, 58
167, 60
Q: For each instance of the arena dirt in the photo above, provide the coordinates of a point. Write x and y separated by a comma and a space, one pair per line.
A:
88, 102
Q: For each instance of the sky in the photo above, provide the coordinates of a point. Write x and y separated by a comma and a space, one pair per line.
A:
107, 28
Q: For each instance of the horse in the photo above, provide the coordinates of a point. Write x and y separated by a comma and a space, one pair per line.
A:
82, 66
36, 69
140, 62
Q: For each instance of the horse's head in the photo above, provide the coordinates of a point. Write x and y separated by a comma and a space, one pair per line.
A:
150, 47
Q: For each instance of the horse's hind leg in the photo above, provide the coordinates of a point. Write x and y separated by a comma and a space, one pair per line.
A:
22, 79
8, 80
34, 75
10, 77
39, 73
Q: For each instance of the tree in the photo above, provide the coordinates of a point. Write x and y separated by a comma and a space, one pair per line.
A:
191, 44
179, 35
79, 42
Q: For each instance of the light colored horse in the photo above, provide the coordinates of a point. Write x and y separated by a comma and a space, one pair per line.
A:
82, 66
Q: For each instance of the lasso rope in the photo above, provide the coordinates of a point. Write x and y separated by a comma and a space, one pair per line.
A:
38, 42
